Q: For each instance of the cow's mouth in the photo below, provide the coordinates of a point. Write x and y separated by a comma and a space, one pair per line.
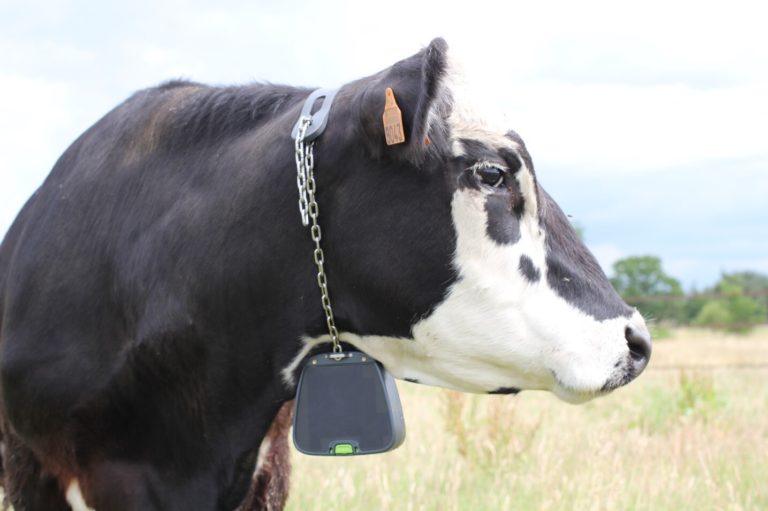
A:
505, 391
575, 395
616, 382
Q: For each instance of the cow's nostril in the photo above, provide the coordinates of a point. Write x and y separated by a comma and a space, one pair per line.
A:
639, 342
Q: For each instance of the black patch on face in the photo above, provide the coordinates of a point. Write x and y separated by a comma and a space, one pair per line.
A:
504, 205
528, 269
522, 151
411, 380
503, 221
505, 390
512, 159
572, 270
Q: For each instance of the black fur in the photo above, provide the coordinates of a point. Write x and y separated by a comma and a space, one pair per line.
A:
160, 279
528, 269
572, 270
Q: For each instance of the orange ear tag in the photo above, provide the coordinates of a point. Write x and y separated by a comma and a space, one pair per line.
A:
393, 120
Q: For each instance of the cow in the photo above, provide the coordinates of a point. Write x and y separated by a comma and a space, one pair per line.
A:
158, 293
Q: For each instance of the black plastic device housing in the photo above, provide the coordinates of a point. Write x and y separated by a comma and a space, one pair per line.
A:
346, 404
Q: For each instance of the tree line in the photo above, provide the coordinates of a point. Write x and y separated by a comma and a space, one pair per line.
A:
737, 302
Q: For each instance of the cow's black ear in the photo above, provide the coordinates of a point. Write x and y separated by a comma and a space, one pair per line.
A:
418, 86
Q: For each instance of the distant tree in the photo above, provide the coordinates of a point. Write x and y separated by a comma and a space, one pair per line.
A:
746, 312
752, 283
692, 306
642, 282
713, 314
732, 308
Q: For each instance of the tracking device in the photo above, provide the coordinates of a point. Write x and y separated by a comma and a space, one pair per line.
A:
346, 404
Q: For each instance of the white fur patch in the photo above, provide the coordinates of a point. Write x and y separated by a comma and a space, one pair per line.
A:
75, 497
497, 329
261, 458
289, 371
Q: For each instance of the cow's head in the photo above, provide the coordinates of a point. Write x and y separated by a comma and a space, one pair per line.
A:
448, 261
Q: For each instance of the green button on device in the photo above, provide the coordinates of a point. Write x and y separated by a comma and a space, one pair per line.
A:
343, 449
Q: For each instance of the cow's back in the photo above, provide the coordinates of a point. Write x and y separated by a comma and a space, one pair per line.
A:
129, 237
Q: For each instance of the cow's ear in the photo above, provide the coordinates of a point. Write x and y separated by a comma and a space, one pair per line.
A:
417, 84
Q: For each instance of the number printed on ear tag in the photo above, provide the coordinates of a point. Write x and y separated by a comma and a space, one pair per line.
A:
393, 120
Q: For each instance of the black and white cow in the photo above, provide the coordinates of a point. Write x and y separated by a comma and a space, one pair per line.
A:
157, 293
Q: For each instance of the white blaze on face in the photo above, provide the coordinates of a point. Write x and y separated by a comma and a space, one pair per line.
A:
496, 329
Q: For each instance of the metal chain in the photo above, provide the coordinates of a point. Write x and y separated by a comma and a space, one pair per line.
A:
305, 166
301, 166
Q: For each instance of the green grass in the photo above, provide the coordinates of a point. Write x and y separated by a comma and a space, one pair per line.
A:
694, 397
672, 440
661, 331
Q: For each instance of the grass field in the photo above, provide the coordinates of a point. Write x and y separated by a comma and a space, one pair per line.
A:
675, 439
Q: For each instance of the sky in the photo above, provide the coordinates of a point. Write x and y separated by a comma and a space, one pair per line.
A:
647, 121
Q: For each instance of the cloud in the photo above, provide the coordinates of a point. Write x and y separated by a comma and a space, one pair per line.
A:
34, 114
700, 219
616, 128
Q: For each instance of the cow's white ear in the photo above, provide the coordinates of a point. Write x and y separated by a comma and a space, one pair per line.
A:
416, 83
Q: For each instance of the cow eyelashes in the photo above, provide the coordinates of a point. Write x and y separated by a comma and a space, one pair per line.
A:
490, 175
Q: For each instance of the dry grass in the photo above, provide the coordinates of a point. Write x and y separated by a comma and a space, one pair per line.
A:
674, 439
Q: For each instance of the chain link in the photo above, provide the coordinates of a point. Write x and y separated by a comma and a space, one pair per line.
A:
301, 178
305, 179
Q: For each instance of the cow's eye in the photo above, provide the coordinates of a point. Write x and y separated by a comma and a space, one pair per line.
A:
492, 176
